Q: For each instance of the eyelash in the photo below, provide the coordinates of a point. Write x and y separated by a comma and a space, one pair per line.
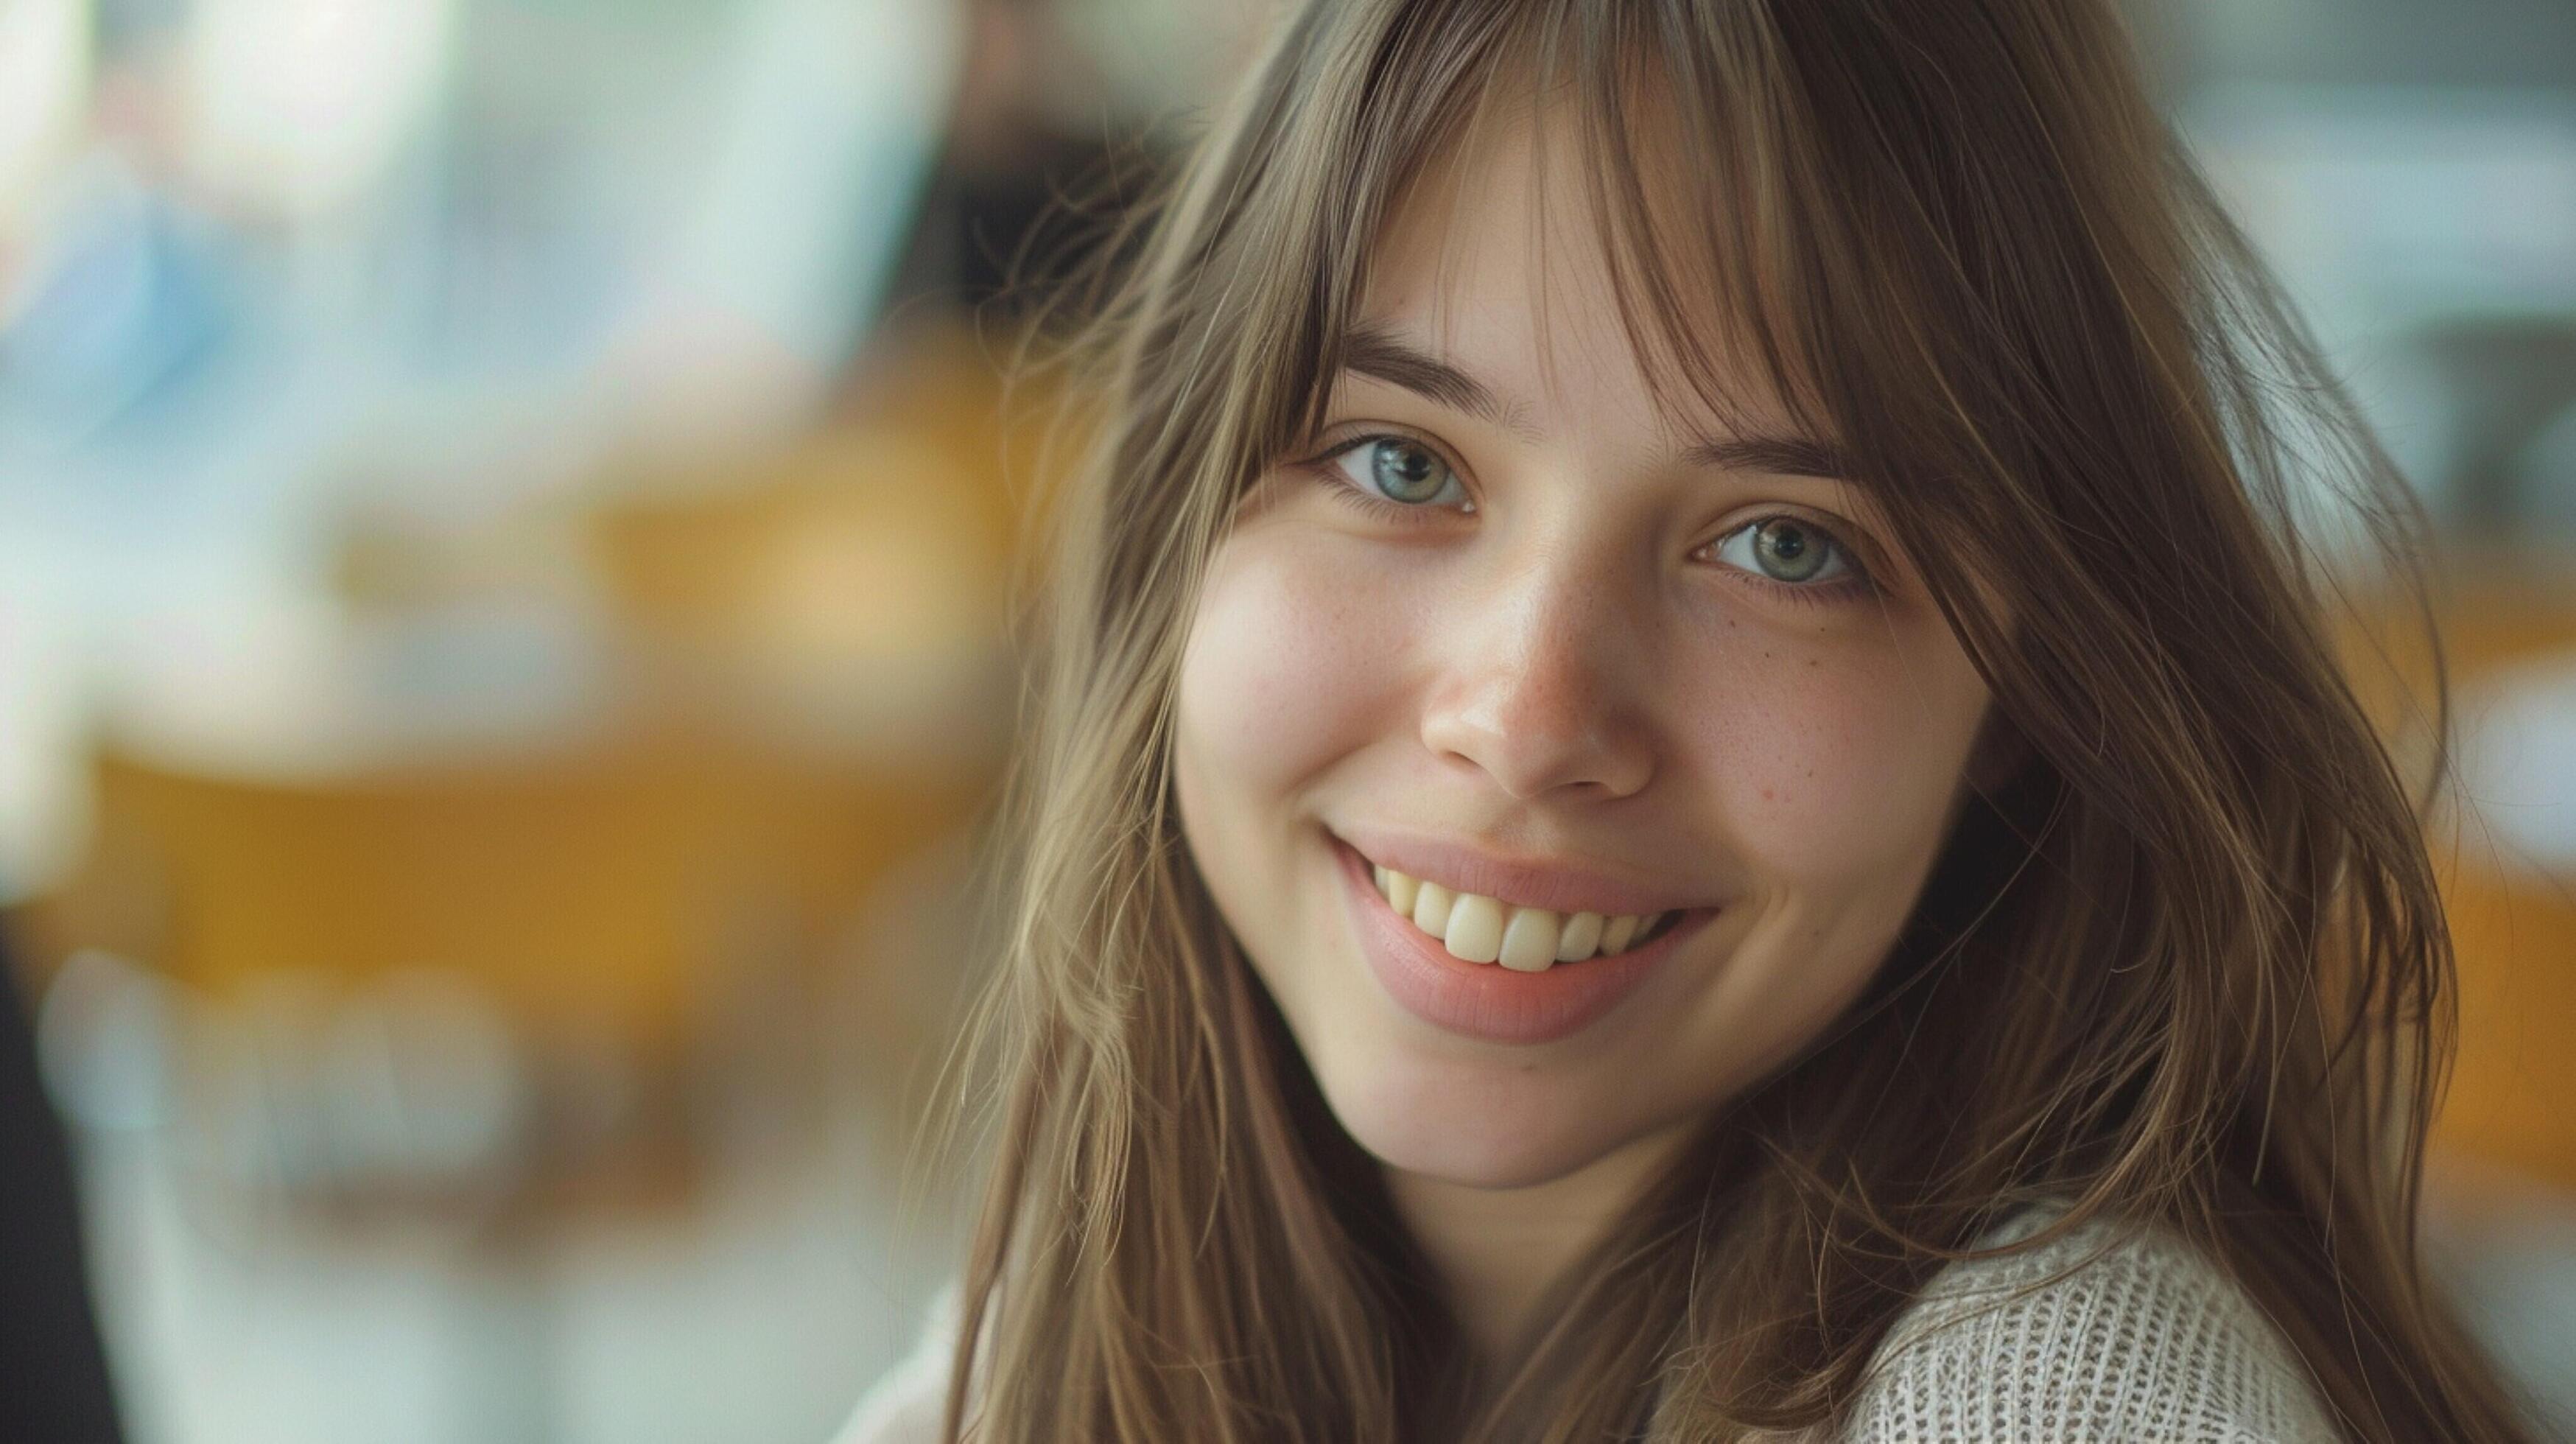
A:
1855, 584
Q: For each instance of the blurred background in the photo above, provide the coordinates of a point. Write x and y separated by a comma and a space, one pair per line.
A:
505, 512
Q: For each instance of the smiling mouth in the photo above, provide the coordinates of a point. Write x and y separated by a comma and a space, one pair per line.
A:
1480, 929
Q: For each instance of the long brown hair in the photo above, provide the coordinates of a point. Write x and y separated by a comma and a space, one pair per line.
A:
2186, 967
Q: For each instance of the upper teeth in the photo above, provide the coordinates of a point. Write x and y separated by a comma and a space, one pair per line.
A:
1481, 929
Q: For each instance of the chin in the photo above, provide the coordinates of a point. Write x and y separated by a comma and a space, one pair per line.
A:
1474, 1126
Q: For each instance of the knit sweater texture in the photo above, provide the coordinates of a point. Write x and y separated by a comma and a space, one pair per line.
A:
2107, 1335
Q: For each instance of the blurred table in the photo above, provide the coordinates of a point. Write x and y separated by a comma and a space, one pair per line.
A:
589, 841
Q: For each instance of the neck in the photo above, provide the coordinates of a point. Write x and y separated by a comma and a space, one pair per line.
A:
1498, 1250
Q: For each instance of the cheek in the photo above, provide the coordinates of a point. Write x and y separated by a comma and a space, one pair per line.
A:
1287, 671
1285, 676
1839, 767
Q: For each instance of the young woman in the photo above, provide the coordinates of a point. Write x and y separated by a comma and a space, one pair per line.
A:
1691, 779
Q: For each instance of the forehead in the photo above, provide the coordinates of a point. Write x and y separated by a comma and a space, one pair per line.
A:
1505, 257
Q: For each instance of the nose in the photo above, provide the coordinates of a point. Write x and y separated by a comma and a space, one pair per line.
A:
1532, 691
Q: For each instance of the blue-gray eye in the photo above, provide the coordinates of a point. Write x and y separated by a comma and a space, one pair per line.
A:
1785, 549
1400, 469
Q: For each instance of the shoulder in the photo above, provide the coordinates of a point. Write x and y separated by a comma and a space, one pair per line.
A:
2111, 1333
907, 1402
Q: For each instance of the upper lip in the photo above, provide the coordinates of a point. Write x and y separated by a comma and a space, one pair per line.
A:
1559, 885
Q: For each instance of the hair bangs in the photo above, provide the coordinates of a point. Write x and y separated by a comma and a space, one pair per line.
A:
1679, 170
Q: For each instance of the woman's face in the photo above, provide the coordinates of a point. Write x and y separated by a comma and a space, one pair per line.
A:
1516, 633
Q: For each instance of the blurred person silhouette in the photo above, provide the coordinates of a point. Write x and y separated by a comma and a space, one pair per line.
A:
54, 1385
1034, 168
1002, 157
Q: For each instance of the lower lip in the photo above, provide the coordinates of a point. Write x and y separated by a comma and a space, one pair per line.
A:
1488, 1001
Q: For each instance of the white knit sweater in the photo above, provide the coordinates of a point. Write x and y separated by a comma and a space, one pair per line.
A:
2146, 1343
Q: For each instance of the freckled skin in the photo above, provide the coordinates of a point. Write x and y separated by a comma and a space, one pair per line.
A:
1568, 670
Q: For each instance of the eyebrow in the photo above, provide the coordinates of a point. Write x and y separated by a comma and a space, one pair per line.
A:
1372, 350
